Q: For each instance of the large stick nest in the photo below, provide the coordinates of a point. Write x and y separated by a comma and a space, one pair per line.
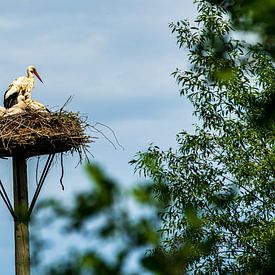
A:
35, 133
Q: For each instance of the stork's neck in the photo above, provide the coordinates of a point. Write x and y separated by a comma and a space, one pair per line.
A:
29, 74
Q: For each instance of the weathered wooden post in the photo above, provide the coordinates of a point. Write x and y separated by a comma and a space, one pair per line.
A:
21, 219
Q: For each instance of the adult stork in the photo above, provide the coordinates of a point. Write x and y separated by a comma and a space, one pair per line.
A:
20, 89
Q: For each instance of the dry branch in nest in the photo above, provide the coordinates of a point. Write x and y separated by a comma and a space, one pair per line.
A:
36, 133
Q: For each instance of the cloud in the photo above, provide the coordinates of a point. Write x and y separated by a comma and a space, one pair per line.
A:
98, 50
10, 24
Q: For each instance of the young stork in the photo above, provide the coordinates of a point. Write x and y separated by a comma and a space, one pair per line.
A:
20, 89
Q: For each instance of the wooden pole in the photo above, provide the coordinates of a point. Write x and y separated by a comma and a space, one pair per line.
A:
21, 221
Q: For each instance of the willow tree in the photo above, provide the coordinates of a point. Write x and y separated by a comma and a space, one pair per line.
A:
224, 171
254, 16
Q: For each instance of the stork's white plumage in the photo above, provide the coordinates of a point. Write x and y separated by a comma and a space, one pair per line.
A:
20, 89
17, 108
23, 106
3, 111
35, 105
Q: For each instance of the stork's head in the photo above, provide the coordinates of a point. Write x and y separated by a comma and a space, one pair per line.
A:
31, 70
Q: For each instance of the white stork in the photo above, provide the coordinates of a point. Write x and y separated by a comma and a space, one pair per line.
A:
17, 108
20, 89
23, 106
3, 111
35, 106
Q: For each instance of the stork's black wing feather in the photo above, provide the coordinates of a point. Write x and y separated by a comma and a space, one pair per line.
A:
11, 100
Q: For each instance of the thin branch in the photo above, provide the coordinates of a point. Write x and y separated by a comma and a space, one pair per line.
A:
113, 132
241, 186
66, 103
62, 172
6, 199
36, 170
105, 136
41, 182
268, 158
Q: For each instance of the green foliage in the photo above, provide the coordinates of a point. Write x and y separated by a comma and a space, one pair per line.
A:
102, 203
225, 170
102, 214
256, 16
211, 207
106, 206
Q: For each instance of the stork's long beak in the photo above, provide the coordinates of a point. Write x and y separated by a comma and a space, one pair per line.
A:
36, 73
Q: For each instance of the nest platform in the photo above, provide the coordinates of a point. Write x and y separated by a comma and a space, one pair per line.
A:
42, 133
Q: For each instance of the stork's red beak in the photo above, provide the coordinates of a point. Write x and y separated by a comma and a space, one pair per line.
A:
36, 73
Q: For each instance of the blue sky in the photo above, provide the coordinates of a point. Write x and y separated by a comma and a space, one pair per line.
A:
116, 58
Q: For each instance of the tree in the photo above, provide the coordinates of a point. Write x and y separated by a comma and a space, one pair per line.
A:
102, 214
215, 192
102, 207
225, 170
255, 16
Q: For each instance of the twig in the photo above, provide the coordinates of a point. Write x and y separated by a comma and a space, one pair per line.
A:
62, 172
6, 199
113, 132
66, 103
36, 170
41, 181
105, 136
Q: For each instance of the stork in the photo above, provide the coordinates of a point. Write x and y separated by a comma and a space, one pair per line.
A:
3, 111
17, 108
35, 106
20, 89
23, 106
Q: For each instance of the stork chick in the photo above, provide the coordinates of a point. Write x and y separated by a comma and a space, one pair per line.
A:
17, 108
20, 87
35, 105
3, 111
